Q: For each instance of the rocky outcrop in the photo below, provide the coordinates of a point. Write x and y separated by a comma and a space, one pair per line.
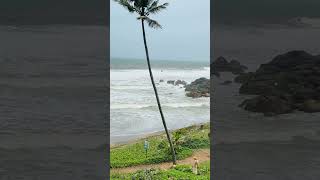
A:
268, 105
291, 81
222, 65
177, 82
170, 82
180, 82
198, 88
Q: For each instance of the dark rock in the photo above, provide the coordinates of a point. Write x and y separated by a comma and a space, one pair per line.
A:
170, 82
161, 80
221, 62
295, 74
222, 65
236, 67
180, 82
268, 105
292, 59
198, 88
193, 94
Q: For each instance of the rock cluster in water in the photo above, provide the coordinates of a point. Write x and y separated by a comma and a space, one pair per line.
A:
170, 82
180, 82
289, 82
198, 88
177, 82
222, 65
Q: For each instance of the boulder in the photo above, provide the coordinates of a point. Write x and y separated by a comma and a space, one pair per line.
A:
193, 94
268, 105
180, 82
170, 82
295, 74
222, 65
161, 80
198, 88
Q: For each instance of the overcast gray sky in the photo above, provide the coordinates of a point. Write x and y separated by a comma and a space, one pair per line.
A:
185, 34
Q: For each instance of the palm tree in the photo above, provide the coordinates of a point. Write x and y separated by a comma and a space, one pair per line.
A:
144, 8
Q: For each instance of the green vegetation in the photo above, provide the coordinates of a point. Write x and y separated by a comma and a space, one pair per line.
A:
180, 172
185, 140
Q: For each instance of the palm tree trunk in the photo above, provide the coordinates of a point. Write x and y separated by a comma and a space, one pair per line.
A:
157, 97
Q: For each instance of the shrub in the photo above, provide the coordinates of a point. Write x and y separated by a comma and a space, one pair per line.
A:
185, 141
180, 172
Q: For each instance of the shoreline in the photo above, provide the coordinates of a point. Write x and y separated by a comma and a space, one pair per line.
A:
152, 134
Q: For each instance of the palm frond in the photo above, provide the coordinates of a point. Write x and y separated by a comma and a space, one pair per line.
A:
153, 23
153, 4
149, 2
126, 4
154, 8
142, 3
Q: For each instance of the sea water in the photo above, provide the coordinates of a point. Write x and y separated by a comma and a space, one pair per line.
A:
133, 107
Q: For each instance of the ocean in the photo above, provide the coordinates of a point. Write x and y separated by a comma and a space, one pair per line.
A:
53, 93
133, 108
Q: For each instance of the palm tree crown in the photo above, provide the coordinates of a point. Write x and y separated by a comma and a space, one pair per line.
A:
144, 8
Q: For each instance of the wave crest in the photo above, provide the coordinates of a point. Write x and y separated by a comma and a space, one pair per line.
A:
168, 105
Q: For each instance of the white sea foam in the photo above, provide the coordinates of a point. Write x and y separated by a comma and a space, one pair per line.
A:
207, 68
130, 87
134, 108
169, 105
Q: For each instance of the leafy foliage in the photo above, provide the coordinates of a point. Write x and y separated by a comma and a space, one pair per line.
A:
144, 8
180, 172
155, 8
152, 23
185, 141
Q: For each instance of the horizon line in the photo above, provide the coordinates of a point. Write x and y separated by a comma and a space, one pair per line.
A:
126, 58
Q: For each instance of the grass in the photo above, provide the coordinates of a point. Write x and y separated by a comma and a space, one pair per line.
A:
180, 172
186, 140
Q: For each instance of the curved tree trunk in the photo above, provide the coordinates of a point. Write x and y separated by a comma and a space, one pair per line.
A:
157, 97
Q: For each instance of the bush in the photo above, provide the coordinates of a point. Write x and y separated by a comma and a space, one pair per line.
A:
184, 168
185, 141
196, 143
180, 172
